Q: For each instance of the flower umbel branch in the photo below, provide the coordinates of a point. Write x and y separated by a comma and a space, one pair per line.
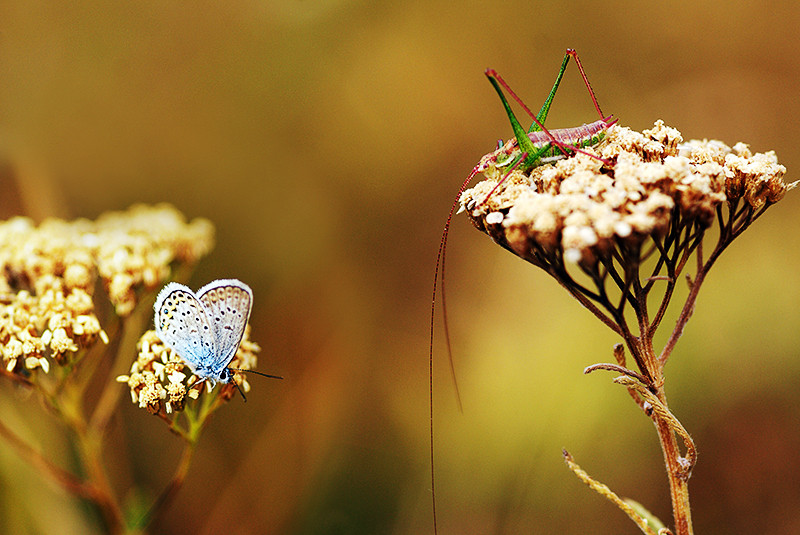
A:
659, 410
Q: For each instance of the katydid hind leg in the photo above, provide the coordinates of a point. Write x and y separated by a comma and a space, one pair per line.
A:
574, 54
542, 115
523, 140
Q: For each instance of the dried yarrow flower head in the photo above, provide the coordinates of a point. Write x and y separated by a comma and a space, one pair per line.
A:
48, 275
611, 222
160, 381
582, 211
137, 248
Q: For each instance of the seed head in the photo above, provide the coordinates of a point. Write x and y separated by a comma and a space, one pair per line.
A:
580, 209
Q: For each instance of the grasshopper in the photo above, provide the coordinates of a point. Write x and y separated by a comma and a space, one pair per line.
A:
529, 149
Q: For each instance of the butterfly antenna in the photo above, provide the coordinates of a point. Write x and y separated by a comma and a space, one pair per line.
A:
240, 390
251, 371
257, 373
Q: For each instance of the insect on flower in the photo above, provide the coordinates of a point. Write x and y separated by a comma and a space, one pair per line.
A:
527, 150
205, 328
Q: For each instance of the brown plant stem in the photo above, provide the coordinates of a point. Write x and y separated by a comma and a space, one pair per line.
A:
95, 487
614, 368
678, 482
91, 450
678, 468
607, 493
130, 329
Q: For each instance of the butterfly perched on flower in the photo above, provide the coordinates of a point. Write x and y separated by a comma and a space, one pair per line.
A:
205, 328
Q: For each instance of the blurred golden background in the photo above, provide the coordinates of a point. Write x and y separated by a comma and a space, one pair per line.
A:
326, 141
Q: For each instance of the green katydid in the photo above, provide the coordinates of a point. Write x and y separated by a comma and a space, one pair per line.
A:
536, 147
539, 145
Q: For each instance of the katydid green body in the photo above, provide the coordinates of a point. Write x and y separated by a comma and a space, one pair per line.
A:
541, 148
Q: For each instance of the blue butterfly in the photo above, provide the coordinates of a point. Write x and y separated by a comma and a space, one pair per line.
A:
205, 328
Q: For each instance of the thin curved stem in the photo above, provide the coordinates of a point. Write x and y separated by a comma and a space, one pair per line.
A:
91, 451
660, 410
678, 484
588, 304
131, 329
615, 368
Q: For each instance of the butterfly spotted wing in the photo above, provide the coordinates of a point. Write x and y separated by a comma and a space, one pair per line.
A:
182, 323
228, 303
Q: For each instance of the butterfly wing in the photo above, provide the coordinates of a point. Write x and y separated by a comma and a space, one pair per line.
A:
182, 323
228, 302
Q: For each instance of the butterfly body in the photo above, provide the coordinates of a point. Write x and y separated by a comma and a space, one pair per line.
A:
206, 327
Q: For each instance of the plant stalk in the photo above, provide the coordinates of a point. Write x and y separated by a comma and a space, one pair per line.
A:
678, 481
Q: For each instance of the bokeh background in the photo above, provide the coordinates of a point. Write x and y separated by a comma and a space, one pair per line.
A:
326, 141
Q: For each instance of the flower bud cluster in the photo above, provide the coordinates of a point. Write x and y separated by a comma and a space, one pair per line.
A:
48, 276
160, 379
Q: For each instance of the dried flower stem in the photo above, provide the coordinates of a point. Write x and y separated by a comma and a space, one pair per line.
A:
55, 473
660, 410
95, 486
167, 496
678, 485
131, 328
190, 435
91, 450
